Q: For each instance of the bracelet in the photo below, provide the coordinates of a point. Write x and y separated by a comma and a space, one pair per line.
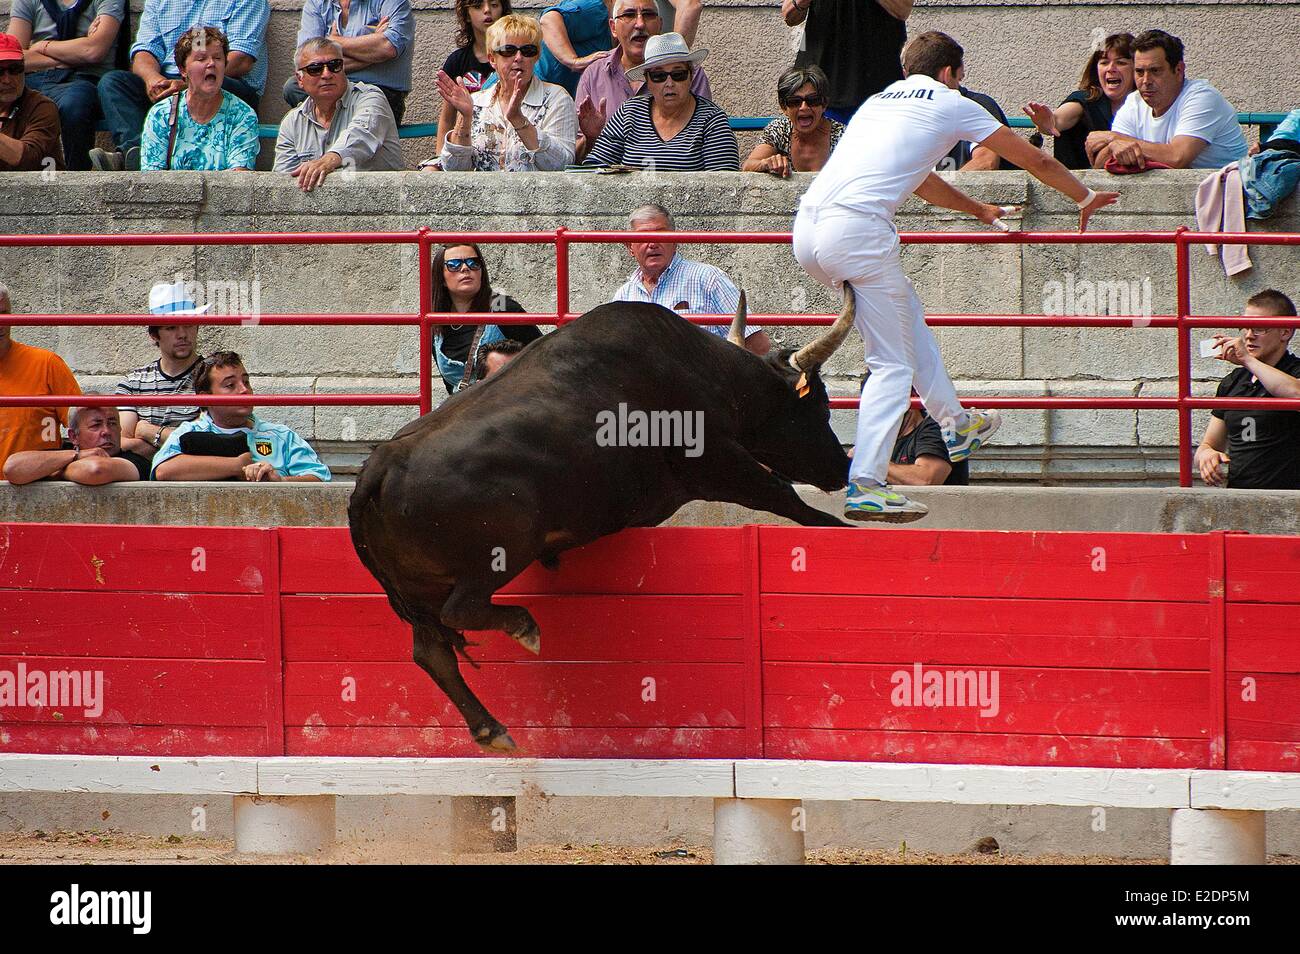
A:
1087, 200
522, 126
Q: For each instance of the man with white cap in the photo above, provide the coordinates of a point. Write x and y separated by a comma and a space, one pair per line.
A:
144, 429
844, 234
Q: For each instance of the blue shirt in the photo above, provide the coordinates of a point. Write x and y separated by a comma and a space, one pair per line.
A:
227, 141
320, 16
242, 21
288, 453
588, 24
1289, 127
702, 289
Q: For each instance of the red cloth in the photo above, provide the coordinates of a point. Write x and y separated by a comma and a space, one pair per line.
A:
1115, 169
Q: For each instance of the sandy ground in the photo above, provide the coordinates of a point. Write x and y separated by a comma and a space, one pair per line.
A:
111, 847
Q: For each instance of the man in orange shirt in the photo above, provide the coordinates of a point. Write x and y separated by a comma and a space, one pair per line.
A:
28, 370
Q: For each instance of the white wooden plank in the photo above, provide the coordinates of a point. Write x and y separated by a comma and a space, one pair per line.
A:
707, 778
963, 784
1245, 791
127, 775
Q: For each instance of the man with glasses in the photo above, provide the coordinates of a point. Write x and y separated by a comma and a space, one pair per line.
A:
29, 121
377, 38
604, 86
1259, 449
340, 123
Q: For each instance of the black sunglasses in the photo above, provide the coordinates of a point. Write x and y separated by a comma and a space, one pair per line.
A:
13, 69
457, 264
529, 50
812, 101
316, 69
659, 76
628, 16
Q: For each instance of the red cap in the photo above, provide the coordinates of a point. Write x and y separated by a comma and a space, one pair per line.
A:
10, 48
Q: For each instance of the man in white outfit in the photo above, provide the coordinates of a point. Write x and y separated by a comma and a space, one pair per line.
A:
844, 232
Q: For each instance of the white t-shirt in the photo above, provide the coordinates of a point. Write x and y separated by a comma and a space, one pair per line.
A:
1200, 110
894, 141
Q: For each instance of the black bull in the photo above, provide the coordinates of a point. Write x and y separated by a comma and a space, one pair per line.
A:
539, 458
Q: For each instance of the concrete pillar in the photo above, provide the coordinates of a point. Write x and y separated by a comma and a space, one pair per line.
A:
757, 831
481, 824
1202, 836
283, 824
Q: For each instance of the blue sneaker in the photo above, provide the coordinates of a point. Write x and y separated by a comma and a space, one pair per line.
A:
966, 440
870, 501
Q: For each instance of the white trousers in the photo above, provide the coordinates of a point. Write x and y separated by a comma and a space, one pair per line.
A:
836, 245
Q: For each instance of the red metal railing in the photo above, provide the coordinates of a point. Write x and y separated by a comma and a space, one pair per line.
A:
1184, 402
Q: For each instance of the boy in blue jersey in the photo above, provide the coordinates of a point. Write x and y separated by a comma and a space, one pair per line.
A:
230, 442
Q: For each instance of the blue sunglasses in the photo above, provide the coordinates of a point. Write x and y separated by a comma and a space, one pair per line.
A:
456, 264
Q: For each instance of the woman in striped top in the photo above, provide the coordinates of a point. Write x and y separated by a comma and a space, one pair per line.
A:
667, 128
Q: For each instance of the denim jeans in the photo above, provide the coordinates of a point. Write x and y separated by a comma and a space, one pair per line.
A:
125, 101
78, 111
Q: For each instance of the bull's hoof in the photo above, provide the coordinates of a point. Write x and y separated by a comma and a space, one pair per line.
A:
495, 739
531, 641
530, 638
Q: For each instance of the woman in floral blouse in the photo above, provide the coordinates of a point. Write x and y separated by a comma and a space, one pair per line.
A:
519, 124
214, 128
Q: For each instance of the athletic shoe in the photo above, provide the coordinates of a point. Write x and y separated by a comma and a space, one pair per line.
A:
870, 501
132, 159
967, 440
106, 161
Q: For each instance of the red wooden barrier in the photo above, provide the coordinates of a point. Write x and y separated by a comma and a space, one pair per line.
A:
177, 626
1263, 653
643, 655
1133, 650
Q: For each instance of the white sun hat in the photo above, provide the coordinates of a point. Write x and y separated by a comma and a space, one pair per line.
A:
171, 298
667, 48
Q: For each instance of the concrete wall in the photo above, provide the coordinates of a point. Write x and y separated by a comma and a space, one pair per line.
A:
1095, 509
1125, 446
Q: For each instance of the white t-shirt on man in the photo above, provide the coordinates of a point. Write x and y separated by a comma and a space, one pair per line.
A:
1200, 110
894, 141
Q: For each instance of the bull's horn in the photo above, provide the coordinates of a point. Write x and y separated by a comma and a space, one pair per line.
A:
814, 354
737, 333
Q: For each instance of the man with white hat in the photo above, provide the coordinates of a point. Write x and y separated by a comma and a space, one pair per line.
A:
844, 234
144, 429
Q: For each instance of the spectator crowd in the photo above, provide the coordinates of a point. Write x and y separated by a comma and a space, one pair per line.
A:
589, 83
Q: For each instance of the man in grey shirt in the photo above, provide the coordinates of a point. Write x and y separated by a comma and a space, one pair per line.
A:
341, 124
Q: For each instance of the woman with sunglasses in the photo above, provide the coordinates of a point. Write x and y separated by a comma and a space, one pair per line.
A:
667, 128
461, 284
519, 124
469, 63
803, 139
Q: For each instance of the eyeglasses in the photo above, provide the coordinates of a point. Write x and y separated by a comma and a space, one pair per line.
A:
13, 69
459, 264
630, 16
659, 76
529, 50
316, 69
812, 101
